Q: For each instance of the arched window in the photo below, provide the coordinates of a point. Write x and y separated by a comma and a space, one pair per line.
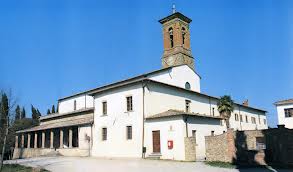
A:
171, 37
183, 31
187, 86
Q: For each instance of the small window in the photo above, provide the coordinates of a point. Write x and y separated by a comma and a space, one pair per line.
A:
259, 120
288, 112
264, 121
104, 134
104, 107
212, 133
74, 105
193, 133
253, 120
187, 105
129, 103
236, 117
260, 143
183, 35
171, 37
129, 132
246, 119
213, 111
241, 119
187, 85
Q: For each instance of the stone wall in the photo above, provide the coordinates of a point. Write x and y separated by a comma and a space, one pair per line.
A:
217, 148
257, 147
36, 152
190, 148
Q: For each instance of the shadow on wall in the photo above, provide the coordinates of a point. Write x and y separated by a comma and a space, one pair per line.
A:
269, 150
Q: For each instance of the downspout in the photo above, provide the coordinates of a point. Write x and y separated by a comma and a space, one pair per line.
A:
210, 106
186, 125
240, 118
143, 118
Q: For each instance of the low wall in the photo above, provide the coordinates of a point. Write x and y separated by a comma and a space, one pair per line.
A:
36, 152
190, 148
253, 147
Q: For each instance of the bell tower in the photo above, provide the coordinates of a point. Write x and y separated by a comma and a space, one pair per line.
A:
176, 38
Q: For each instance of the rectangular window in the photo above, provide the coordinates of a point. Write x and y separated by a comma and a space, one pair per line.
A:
264, 121
187, 105
241, 119
74, 105
259, 120
104, 134
236, 117
193, 133
260, 143
129, 132
104, 104
253, 120
288, 112
129, 103
213, 111
246, 118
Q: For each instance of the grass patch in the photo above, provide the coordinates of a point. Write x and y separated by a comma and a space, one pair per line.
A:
18, 168
220, 164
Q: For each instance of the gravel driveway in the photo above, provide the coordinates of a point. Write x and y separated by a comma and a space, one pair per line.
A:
90, 164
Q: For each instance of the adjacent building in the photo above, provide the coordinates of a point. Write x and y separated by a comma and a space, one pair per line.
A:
285, 113
160, 114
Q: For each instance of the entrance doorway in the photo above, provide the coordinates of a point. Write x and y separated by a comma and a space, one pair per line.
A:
156, 142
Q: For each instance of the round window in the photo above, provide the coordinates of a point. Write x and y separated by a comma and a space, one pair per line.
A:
187, 86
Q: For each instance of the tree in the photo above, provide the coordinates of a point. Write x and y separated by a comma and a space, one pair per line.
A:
23, 113
225, 108
53, 109
35, 115
48, 112
6, 107
17, 113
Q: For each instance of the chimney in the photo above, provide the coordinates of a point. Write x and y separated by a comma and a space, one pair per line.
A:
245, 103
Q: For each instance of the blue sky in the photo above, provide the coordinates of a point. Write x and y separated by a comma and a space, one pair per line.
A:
51, 48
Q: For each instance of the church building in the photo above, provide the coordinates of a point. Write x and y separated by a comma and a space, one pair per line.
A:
161, 114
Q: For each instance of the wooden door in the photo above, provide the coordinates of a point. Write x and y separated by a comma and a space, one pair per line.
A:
156, 142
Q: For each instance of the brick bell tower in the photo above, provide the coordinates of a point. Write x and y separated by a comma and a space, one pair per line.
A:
176, 38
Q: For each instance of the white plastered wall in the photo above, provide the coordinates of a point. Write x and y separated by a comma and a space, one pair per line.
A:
170, 129
282, 120
178, 76
82, 102
84, 131
116, 120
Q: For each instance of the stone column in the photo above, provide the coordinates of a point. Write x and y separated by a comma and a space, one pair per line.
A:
36, 140
61, 138
28, 140
22, 141
70, 138
43, 139
51, 139
16, 141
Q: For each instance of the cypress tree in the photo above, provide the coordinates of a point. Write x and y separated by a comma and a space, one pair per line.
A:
4, 110
23, 113
34, 113
48, 112
53, 109
17, 113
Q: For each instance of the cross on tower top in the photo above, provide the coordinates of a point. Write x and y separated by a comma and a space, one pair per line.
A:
173, 9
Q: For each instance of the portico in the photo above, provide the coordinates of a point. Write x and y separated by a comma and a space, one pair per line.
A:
56, 134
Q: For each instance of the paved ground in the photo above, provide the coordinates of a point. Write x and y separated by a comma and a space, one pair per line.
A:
77, 164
